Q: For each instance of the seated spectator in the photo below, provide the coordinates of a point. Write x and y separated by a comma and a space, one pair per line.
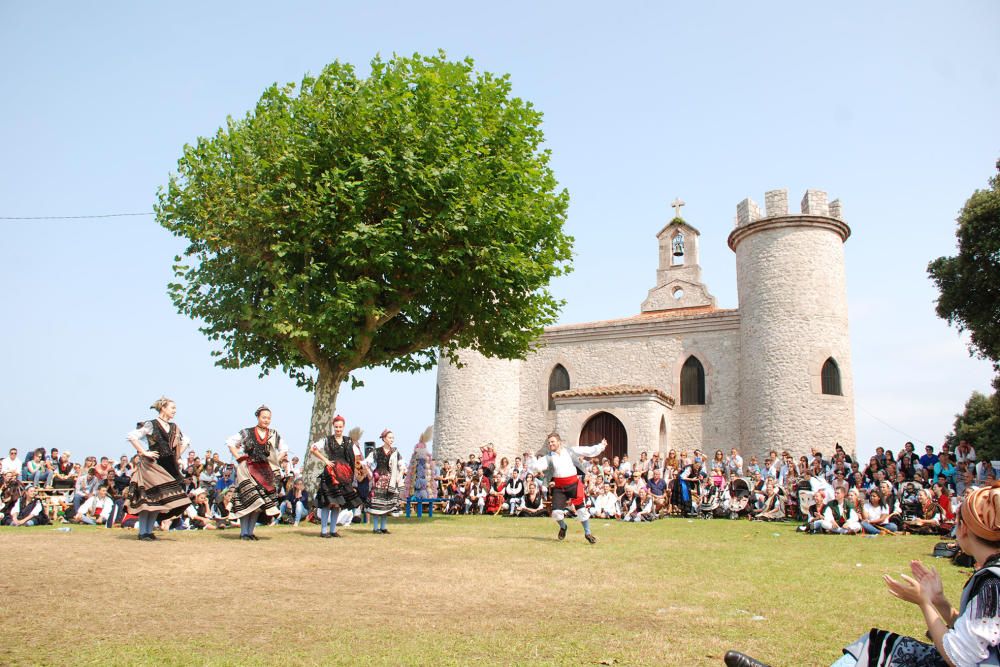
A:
944, 468
86, 487
224, 481
607, 505
658, 490
38, 472
96, 509
647, 509
928, 460
104, 468
199, 513
813, 511
513, 493
630, 507
222, 510
876, 514
772, 505
11, 463
296, 502
65, 473
928, 522
493, 500
965, 453
840, 517
533, 504
26, 510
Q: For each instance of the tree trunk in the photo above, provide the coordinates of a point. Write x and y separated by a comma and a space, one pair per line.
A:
324, 407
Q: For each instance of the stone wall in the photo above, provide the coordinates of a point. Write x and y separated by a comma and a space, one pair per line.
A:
793, 316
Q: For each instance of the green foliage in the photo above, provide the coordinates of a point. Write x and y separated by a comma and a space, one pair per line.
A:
980, 425
357, 222
969, 283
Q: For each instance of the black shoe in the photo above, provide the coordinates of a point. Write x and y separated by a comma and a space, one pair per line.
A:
334, 534
591, 538
384, 531
562, 533
145, 538
324, 535
253, 537
151, 536
246, 538
737, 659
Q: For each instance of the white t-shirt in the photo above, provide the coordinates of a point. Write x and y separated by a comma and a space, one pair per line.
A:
10, 465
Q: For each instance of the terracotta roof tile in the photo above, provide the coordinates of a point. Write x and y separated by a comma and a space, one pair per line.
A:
615, 390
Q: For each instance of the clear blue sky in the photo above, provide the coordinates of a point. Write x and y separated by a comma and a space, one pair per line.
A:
892, 107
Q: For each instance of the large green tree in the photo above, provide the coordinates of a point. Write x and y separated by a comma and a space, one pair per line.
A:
969, 283
979, 423
353, 222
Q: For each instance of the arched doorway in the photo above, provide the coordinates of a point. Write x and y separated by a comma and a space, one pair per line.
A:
603, 426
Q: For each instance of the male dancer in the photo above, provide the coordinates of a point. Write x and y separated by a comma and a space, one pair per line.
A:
561, 466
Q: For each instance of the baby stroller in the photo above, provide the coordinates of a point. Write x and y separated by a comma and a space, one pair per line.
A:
710, 502
909, 501
739, 498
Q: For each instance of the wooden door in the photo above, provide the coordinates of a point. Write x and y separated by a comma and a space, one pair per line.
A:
605, 426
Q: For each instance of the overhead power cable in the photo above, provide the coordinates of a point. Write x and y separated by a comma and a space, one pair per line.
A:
71, 217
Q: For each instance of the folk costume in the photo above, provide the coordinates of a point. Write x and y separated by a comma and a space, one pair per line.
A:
563, 467
156, 491
260, 451
336, 482
387, 475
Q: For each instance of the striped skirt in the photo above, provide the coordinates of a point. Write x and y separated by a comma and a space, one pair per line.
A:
385, 497
255, 489
153, 489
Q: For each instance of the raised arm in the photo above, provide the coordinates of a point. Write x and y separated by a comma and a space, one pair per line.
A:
591, 450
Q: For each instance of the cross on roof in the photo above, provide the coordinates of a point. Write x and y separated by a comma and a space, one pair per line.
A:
677, 203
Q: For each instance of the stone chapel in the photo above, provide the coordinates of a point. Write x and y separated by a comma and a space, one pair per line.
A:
684, 374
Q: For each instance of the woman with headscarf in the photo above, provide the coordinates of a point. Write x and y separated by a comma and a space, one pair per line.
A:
386, 464
156, 491
258, 451
336, 482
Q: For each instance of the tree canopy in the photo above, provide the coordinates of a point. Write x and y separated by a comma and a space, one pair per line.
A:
969, 283
979, 424
352, 222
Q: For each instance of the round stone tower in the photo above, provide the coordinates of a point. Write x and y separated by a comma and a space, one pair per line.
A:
476, 404
796, 384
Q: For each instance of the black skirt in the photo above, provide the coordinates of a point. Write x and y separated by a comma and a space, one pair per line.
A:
332, 492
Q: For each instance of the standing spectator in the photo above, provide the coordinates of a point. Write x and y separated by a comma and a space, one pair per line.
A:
11, 463
488, 459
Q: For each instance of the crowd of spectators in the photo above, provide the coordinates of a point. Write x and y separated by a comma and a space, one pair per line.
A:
835, 493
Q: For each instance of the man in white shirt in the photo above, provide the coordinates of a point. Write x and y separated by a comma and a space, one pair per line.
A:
734, 464
840, 516
563, 466
607, 505
12, 463
95, 509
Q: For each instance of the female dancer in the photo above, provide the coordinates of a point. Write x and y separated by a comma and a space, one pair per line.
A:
386, 464
258, 452
156, 491
336, 482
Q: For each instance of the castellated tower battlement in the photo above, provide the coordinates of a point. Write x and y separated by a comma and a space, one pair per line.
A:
796, 384
814, 202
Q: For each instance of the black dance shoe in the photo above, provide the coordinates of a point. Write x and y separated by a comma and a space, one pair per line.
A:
145, 538
334, 534
737, 659
253, 537
591, 538
151, 536
384, 531
324, 535
562, 533
246, 538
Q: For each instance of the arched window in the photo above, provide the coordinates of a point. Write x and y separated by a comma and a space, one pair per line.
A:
831, 378
692, 382
558, 381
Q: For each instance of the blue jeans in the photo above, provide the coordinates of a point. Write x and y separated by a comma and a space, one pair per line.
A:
301, 511
872, 530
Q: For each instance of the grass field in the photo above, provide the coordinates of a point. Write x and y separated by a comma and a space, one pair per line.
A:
450, 591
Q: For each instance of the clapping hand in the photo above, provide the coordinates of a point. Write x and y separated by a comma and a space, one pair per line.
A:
931, 588
907, 589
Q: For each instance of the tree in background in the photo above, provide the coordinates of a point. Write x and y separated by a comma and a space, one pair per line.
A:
980, 425
362, 222
969, 286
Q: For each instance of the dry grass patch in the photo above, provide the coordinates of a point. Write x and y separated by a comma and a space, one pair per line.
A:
450, 591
